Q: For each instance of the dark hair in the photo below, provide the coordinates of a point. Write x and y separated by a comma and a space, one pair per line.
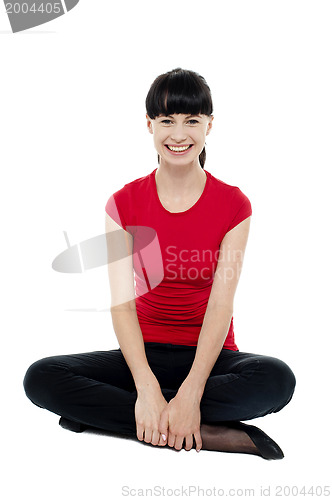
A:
179, 91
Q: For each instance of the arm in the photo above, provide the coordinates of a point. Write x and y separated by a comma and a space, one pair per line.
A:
183, 410
150, 401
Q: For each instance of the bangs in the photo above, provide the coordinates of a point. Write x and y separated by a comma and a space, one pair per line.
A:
179, 91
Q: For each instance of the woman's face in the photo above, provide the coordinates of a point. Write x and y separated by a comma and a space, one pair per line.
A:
179, 138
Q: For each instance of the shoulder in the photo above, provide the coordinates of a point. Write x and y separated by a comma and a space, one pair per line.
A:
136, 186
229, 191
122, 205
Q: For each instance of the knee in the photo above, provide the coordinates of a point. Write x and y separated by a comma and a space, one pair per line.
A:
279, 379
36, 380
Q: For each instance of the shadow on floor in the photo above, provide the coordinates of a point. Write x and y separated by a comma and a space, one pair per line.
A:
104, 432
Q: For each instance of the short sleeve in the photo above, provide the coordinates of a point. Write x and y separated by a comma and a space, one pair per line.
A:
240, 208
113, 209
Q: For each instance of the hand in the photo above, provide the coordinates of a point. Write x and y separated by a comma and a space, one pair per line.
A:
182, 417
149, 406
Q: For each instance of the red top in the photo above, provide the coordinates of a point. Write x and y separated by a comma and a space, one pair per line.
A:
176, 254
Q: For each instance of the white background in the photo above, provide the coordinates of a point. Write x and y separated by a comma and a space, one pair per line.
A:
73, 132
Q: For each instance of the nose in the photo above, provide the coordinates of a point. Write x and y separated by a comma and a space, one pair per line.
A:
178, 133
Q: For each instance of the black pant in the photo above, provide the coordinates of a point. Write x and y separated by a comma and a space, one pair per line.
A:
97, 388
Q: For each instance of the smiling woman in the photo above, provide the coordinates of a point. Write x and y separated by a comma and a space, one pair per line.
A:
178, 378
181, 92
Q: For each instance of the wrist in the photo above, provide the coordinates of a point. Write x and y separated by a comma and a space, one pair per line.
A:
146, 382
192, 388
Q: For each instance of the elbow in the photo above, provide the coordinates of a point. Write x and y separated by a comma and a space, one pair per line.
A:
222, 308
128, 306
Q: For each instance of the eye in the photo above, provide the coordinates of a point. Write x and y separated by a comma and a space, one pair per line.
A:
166, 122
193, 121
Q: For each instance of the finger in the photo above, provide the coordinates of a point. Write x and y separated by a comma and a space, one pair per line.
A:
147, 435
163, 424
139, 432
171, 439
198, 439
161, 442
178, 442
155, 437
189, 442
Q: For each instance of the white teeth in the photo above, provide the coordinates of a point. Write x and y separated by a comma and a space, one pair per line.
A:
178, 148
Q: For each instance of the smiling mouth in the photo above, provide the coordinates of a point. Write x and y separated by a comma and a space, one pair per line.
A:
178, 149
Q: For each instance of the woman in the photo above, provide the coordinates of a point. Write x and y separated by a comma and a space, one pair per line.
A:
178, 378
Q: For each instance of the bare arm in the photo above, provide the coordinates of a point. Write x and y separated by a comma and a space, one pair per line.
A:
219, 310
150, 401
183, 412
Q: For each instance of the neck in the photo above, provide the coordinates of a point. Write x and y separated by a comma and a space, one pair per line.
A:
179, 180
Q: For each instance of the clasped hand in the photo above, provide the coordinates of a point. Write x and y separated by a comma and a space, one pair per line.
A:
161, 423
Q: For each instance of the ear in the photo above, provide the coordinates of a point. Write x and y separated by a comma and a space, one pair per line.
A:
149, 123
209, 125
